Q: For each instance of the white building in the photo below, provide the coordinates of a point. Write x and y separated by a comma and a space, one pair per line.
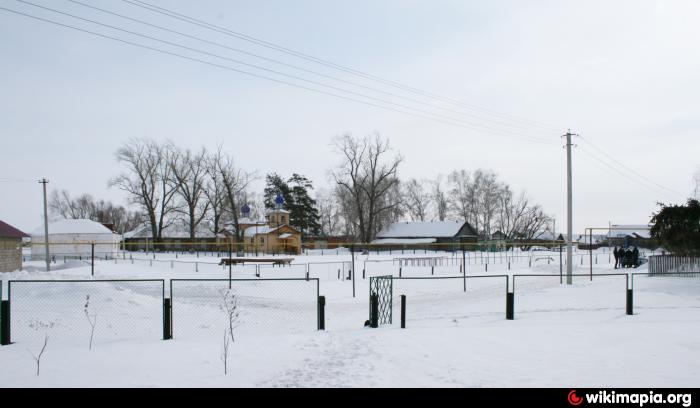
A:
75, 238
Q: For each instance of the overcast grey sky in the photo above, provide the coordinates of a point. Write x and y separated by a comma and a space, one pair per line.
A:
623, 74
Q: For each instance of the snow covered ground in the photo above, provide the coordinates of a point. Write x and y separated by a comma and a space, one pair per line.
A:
562, 336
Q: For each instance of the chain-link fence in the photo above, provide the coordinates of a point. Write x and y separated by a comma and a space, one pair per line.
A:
440, 300
263, 306
666, 293
547, 294
89, 312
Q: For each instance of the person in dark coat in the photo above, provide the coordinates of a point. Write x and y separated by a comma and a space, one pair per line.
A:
635, 257
616, 254
628, 258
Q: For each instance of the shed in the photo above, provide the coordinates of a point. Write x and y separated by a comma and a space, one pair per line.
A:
74, 238
10, 247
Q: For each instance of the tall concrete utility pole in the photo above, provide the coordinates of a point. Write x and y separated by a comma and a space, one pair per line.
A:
46, 226
569, 212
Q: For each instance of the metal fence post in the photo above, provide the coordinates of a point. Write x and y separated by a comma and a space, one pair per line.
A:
374, 311
510, 305
630, 304
322, 313
167, 319
403, 311
5, 338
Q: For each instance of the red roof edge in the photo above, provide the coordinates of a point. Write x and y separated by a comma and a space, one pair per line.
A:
8, 231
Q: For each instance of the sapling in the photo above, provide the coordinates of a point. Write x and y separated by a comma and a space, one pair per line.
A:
230, 307
37, 358
92, 319
224, 351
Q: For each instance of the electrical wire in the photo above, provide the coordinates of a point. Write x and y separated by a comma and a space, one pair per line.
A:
630, 170
307, 57
240, 51
449, 121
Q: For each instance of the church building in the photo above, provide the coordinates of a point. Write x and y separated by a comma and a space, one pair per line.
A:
275, 236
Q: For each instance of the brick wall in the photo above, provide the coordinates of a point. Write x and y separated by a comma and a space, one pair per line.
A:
10, 255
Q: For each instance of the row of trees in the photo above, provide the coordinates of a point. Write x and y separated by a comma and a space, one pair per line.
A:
169, 184
62, 205
369, 195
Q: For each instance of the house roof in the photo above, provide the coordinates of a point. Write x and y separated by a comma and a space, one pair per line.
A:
636, 231
177, 230
397, 241
70, 226
8, 231
430, 229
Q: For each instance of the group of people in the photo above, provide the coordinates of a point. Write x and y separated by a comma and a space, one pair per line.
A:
628, 258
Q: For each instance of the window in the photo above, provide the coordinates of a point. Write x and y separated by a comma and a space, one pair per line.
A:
282, 218
262, 240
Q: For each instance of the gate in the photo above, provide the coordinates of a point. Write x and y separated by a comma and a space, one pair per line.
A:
380, 300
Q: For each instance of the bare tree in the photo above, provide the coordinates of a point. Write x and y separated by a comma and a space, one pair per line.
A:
696, 193
235, 181
439, 198
367, 176
148, 181
464, 198
533, 221
62, 205
189, 171
329, 213
37, 358
488, 191
417, 199
92, 319
511, 212
229, 305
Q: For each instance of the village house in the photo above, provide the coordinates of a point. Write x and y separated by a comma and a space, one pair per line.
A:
442, 235
10, 247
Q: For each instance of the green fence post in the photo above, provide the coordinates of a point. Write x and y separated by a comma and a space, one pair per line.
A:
5, 338
167, 319
322, 313
630, 303
403, 311
374, 311
510, 305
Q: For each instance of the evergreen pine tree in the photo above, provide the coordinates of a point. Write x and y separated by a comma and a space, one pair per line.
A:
303, 214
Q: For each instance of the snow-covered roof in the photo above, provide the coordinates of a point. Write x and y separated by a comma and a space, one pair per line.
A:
621, 231
260, 229
430, 229
70, 226
177, 230
404, 241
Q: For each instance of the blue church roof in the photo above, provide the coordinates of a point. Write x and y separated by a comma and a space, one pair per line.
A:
279, 199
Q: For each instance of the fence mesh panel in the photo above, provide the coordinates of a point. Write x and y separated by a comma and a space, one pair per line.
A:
431, 301
264, 306
120, 310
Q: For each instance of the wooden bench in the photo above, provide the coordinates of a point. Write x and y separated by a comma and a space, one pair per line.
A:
243, 261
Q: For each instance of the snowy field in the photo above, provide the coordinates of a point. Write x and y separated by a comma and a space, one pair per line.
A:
562, 336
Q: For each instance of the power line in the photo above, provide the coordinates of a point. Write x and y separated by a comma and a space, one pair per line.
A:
204, 40
449, 121
628, 168
627, 176
289, 51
